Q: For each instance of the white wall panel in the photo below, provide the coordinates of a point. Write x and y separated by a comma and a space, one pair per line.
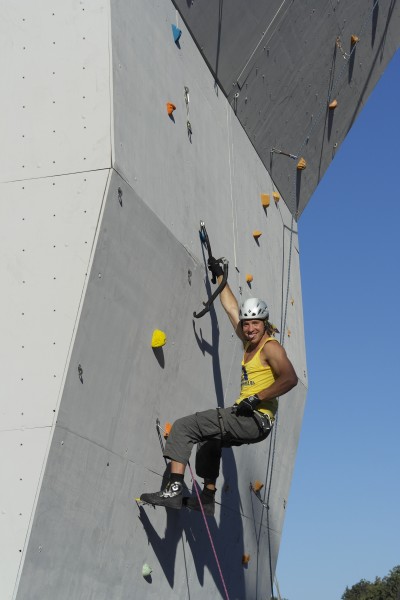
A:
47, 233
47, 230
21, 463
55, 103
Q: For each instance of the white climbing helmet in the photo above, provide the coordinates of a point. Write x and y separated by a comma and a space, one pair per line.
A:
253, 308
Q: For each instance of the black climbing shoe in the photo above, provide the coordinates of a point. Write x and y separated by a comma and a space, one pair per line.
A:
207, 501
170, 496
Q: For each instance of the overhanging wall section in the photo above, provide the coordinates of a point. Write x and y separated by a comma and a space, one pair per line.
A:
281, 62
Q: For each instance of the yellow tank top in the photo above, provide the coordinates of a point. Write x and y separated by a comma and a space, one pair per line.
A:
257, 377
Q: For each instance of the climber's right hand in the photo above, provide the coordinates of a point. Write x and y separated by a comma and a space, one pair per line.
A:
215, 267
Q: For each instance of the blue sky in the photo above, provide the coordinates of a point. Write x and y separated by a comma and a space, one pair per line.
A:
343, 516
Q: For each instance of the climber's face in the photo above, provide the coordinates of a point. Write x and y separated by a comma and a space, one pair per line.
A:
253, 330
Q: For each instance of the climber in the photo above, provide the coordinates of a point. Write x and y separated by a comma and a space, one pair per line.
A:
266, 374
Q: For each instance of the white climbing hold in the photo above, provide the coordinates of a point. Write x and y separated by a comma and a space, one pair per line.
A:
146, 570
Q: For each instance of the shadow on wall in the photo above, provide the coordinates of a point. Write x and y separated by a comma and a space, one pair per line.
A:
211, 348
228, 535
191, 523
378, 55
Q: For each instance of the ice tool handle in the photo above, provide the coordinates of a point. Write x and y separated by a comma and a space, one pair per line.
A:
206, 241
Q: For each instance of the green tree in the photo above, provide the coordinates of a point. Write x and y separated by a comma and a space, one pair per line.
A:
387, 588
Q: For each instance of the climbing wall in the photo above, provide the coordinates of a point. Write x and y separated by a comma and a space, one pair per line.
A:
102, 246
296, 74
55, 159
106, 449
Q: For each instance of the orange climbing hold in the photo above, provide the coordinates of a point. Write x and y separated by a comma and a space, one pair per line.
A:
301, 165
257, 234
265, 200
257, 486
245, 559
249, 278
170, 108
332, 105
167, 429
354, 39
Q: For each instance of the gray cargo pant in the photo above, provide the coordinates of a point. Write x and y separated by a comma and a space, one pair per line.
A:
213, 430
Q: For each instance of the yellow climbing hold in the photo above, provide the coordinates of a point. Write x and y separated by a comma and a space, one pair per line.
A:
245, 559
333, 104
289, 333
257, 485
249, 278
301, 165
276, 197
159, 339
265, 200
257, 234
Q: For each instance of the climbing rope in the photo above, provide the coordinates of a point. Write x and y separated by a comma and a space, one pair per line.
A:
196, 487
272, 446
231, 176
195, 484
332, 93
264, 34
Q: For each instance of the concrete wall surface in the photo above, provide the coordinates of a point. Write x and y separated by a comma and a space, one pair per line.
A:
48, 227
55, 59
55, 158
281, 63
100, 227
106, 449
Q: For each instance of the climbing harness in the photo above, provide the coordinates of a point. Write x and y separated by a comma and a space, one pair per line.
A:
207, 305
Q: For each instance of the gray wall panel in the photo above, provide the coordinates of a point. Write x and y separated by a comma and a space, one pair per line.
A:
106, 450
216, 176
283, 63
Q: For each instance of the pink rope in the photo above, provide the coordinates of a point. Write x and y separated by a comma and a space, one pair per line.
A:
208, 531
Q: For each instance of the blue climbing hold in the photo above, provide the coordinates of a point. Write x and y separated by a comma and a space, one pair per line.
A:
176, 32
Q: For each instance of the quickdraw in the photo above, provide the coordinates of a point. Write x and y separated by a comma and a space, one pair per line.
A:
207, 305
